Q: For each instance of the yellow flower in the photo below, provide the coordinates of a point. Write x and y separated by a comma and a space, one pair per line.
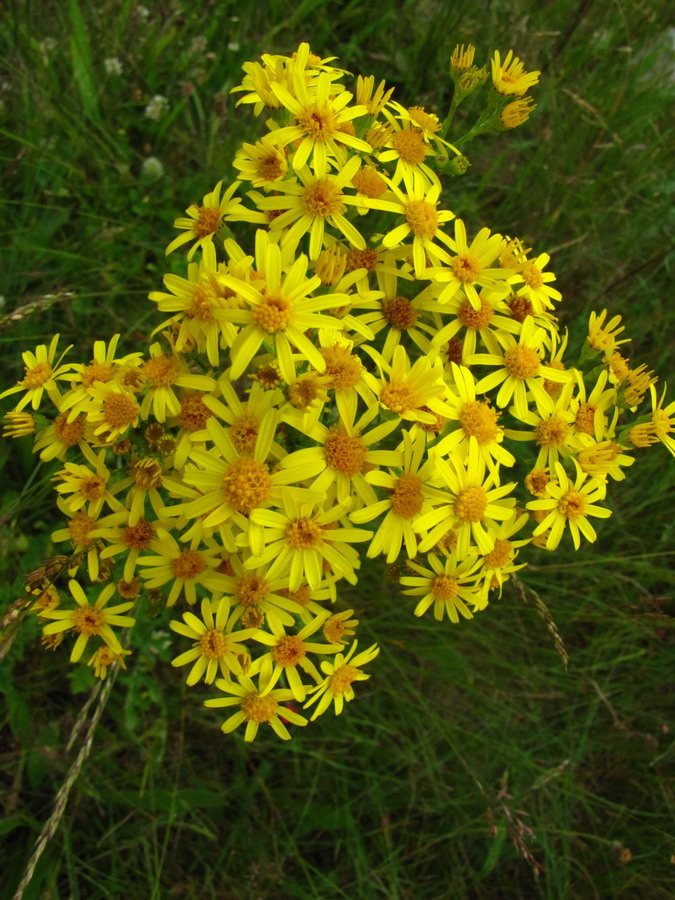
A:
517, 113
413, 392
663, 419
553, 427
520, 368
163, 372
536, 283
89, 621
187, 566
448, 586
280, 310
85, 485
340, 674
462, 57
255, 708
472, 507
301, 542
602, 335
411, 495
40, 374
214, 647
320, 118
471, 268
287, 654
18, 424
313, 202
262, 163
510, 76
569, 504
104, 657
203, 220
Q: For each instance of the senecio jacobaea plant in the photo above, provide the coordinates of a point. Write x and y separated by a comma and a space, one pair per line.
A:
344, 366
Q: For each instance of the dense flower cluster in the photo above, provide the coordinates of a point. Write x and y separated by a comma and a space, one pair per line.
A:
365, 374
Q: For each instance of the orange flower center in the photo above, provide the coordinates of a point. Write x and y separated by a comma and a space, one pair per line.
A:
38, 375
466, 267
69, 433
120, 409
400, 313
247, 484
318, 122
343, 367
94, 487
251, 589
406, 498
201, 304
572, 505
304, 534
97, 371
361, 259
146, 473
479, 420
193, 413
341, 679
259, 709
520, 308
244, 433
585, 418
161, 371
444, 587
522, 362
409, 145
212, 644
369, 182
470, 504
207, 221
552, 432
188, 565
322, 199
79, 527
344, 453
270, 167
138, 536
398, 396
532, 275
273, 314
475, 318
88, 620
499, 555
289, 650
536, 482
422, 218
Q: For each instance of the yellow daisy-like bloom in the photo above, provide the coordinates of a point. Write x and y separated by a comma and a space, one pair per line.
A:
520, 368
339, 626
54, 441
82, 531
536, 287
448, 586
231, 486
341, 673
104, 657
346, 452
123, 536
262, 163
590, 409
203, 220
104, 367
462, 57
185, 566
309, 204
90, 621
287, 654
196, 304
414, 392
214, 647
373, 98
86, 486
517, 113
471, 268
301, 542
257, 598
500, 562
510, 76
255, 708
320, 118
602, 334
243, 418
423, 220
41, 373
472, 507
111, 410
553, 428
602, 459
663, 419
570, 503
476, 419
163, 372
411, 495
407, 147
18, 424
280, 310
485, 323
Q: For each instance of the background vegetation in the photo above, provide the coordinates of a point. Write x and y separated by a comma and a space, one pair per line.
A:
473, 764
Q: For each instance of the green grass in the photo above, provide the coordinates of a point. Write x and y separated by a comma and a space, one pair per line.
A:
466, 737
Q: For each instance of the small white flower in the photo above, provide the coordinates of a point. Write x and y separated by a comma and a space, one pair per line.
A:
112, 66
156, 107
152, 168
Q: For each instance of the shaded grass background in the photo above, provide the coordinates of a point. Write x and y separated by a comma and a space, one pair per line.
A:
472, 759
